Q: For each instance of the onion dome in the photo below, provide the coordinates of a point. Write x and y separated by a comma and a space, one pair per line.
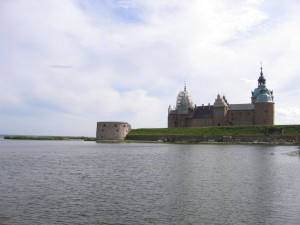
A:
262, 93
261, 79
261, 84
257, 91
184, 102
264, 96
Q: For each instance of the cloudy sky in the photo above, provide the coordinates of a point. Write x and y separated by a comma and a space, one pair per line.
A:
66, 64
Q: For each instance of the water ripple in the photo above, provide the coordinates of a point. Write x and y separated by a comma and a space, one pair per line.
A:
87, 183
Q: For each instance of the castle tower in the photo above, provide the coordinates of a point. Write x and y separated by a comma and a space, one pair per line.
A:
220, 111
184, 102
112, 130
263, 101
184, 105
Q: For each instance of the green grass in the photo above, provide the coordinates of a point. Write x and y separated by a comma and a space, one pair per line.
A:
289, 130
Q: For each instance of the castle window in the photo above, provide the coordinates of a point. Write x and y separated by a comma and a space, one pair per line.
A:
104, 125
117, 130
115, 125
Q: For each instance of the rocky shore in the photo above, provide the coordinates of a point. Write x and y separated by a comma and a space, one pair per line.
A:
274, 140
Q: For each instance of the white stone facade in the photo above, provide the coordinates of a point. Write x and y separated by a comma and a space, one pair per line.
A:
112, 130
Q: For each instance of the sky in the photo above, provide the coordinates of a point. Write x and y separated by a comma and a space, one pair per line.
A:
67, 64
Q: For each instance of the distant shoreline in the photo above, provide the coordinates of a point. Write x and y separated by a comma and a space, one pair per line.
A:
47, 138
149, 139
251, 135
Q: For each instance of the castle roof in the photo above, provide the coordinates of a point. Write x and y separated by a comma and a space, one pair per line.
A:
261, 80
264, 96
203, 112
220, 101
262, 93
184, 102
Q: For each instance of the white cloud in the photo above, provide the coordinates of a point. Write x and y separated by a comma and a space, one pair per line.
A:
288, 115
79, 62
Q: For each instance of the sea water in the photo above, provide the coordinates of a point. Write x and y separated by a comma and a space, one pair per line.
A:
77, 182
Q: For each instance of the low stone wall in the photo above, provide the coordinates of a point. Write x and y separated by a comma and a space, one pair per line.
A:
226, 139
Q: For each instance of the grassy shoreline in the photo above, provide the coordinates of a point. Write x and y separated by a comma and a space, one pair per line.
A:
187, 134
265, 135
48, 138
287, 130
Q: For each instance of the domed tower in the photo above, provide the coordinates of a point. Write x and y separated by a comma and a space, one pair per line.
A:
184, 107
263, 101
261, 84
184, 102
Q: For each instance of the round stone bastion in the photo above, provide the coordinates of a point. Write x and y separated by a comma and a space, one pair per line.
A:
112, 130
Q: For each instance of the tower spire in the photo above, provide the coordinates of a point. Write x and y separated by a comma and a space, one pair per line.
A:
184, 86
261, 79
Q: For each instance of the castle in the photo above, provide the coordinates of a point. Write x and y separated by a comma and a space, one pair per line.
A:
259, 112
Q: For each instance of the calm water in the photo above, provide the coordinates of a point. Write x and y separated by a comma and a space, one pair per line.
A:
76, 182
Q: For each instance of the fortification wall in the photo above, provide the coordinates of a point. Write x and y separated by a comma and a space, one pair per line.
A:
277, 139
112, 130
240, 117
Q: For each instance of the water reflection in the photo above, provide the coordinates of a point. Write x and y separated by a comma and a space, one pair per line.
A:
87, 183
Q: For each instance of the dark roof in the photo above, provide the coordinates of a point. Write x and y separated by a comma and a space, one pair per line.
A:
203, 112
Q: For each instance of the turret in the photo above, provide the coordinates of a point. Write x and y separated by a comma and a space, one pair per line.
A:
184, 107
261, 86
184, 102
263, 101
220, 111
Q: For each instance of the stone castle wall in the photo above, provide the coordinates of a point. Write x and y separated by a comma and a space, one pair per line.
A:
112, 130
262, 114
272, 139
240, 117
